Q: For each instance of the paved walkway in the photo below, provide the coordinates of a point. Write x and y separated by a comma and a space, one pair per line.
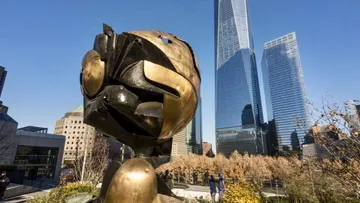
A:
191, 192
23, 198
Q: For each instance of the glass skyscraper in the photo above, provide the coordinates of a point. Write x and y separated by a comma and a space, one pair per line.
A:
193, 132
284, 91
237, 95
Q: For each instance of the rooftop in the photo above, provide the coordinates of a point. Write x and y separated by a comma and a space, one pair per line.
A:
5, 117
283, 39
34, 129
79, 109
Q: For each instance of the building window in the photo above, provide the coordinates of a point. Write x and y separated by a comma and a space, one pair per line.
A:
82, 132
70, 153
78, 132
80, 122
65, 132
66, 126
71, 148
73, 137
67, 147
72, 142
71, 121
68, 142
80, 142
83, 127
74, 132
65, 153
75, 121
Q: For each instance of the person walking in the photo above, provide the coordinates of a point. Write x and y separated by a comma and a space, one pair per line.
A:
195, 178
221, 186
4, 182
167, 178
212, 184
206, 178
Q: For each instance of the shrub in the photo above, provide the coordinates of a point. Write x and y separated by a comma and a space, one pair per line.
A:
241, 193
59, 194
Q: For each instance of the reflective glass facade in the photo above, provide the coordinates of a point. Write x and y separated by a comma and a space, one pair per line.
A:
38, 162
284, 90
193, 132
237, 94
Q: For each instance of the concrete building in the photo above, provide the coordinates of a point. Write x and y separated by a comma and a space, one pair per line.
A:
3, 73
78, 135
352, 108
189, 139
179, 146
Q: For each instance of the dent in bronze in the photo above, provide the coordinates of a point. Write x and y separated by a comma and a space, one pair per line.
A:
140, 87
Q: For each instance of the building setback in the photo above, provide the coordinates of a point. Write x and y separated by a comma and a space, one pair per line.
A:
238, 105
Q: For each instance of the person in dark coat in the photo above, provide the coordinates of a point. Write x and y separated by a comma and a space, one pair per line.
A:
4, 182
195, 177
167, 178
212, 184
206, 178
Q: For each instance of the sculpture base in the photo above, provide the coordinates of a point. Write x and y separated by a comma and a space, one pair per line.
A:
134, 181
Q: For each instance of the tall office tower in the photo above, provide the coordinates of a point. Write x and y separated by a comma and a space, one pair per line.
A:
189, 139
3, 73
352, 108
284, 91
237, 93
194, 132
78, 135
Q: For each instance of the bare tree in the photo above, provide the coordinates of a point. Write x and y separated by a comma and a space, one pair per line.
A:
7, 139
334, 131
96, 162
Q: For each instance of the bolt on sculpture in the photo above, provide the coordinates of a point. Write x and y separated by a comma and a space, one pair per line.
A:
140, 87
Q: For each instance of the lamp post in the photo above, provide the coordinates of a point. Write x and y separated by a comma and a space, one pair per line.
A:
122, 152
84, 162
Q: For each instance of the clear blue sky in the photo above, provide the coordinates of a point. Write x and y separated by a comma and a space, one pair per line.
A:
42, 44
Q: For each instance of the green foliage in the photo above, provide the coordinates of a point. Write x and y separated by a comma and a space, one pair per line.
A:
60, 194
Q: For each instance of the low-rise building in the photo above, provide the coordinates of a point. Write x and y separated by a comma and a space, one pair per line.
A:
31, 152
